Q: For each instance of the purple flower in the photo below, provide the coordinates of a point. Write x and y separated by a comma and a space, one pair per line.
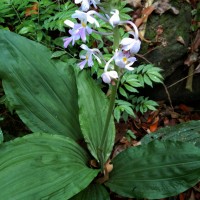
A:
78, 31
85, 4
130, 44
85, 17
123, 60
88, 57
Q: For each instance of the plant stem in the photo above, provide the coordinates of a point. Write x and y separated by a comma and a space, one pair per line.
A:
16, 13
112, 99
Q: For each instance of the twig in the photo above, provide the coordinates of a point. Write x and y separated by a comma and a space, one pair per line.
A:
141, 56
190, 78
168, 96
180, 80
16, 13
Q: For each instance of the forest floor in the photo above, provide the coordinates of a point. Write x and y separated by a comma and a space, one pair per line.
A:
148, 124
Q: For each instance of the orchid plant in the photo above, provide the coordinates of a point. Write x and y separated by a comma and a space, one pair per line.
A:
70, 153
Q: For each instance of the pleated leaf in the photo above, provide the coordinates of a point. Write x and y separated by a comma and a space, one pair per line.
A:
42, 91
1, 136
184, 132
43, 166
156, 170
93, 108
93, 192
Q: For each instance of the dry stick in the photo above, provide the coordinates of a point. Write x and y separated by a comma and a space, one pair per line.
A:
180, 80
168, 96
190, 78
141, 56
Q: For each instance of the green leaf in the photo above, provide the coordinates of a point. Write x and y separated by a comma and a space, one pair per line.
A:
128, 109
26, 29
123, 92
147, 80
156, 170
184, 132
42, 91
43, 166
141, 80
1, 136
57, 54
93, 192
117, 113
93, 106
150, 107
140, 68
155, 78
39, 36
130, 88
122, 102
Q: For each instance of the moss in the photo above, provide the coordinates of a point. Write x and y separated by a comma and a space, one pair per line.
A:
168, 57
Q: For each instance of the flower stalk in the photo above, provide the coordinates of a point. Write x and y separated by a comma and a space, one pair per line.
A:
124, 50
114, 87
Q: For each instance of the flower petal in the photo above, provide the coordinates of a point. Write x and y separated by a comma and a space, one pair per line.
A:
85, 5
114, 19
82, 34
98, 59
108, 76
92, 20
90, 61
78, 1
129, 68
69, 23
85, 47
126, 41
67, 41
82, 64
88, 29
135, 47
95, 2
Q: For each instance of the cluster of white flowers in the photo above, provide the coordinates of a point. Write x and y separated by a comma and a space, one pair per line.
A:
123, 57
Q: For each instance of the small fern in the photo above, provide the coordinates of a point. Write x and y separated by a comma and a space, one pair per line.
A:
129, 85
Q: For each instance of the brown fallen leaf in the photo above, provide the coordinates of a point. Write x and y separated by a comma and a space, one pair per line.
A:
33, 10
108, 167
145, 14
181, 196
196, 43
185, 108
154, 126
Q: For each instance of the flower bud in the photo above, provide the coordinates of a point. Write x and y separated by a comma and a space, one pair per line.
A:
109, 76
114, 19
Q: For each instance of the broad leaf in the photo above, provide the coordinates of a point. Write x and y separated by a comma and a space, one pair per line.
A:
93, 106
184, 132
93, 192
42, 91
1, 136
156, 170
43, 166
